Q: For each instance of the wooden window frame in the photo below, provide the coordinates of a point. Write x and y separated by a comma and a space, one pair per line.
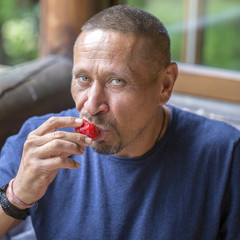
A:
208, 82
200, 80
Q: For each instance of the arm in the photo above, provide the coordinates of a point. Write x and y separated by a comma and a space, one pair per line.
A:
7, 223
44, 153
9, 208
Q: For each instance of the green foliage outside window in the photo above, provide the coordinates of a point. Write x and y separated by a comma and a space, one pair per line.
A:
19, 31
221, 29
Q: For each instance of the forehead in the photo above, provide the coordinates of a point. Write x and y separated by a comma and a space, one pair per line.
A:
111, 51
108, 44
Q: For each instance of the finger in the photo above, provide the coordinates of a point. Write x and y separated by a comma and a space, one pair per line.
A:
57, 147
54, 123
79, 139
56, 163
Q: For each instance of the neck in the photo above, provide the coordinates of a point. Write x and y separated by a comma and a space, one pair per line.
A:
152, 134
162, 127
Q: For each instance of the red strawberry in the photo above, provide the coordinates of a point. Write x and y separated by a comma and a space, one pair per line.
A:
88, 129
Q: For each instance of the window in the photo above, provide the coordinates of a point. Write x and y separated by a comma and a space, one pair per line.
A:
203, 32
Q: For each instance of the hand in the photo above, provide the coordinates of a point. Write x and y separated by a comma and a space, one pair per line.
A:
45, 152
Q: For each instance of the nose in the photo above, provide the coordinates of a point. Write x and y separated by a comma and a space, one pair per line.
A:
97, 100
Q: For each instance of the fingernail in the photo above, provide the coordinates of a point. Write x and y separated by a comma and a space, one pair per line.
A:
77, 164
78, 121
88, 140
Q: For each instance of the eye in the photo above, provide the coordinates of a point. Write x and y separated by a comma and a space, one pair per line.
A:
118, 82
83, 79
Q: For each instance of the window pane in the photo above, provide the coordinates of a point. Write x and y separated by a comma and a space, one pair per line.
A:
171, 14
203, 32
221, 46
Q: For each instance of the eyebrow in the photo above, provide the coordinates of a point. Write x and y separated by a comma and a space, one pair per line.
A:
123, 74
76, 71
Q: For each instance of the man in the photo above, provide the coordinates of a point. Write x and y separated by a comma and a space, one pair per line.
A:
154, 172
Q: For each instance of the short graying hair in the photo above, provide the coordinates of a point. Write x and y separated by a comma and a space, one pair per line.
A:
123, 18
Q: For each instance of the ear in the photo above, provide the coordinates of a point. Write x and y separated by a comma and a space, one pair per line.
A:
168, 77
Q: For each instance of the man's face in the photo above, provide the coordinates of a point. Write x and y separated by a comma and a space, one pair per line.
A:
113, 87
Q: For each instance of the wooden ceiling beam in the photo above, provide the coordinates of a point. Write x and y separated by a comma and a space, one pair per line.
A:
61, 21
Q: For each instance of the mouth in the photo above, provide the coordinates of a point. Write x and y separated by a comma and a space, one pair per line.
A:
97, 125
101, 131
104, 127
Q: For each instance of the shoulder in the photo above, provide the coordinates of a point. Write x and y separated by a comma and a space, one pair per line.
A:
202, 129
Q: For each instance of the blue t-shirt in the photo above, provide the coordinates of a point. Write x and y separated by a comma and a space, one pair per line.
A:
186, 188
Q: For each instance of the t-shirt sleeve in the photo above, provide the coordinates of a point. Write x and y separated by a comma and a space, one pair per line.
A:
11, 153
8, 163
230, 222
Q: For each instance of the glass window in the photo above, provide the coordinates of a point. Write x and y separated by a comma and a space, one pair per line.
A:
202, 32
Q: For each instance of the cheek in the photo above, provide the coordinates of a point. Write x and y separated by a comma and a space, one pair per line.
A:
127, 111
133, 112
73, 91
79, 97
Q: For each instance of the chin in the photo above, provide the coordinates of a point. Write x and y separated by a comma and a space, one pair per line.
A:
106, 149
